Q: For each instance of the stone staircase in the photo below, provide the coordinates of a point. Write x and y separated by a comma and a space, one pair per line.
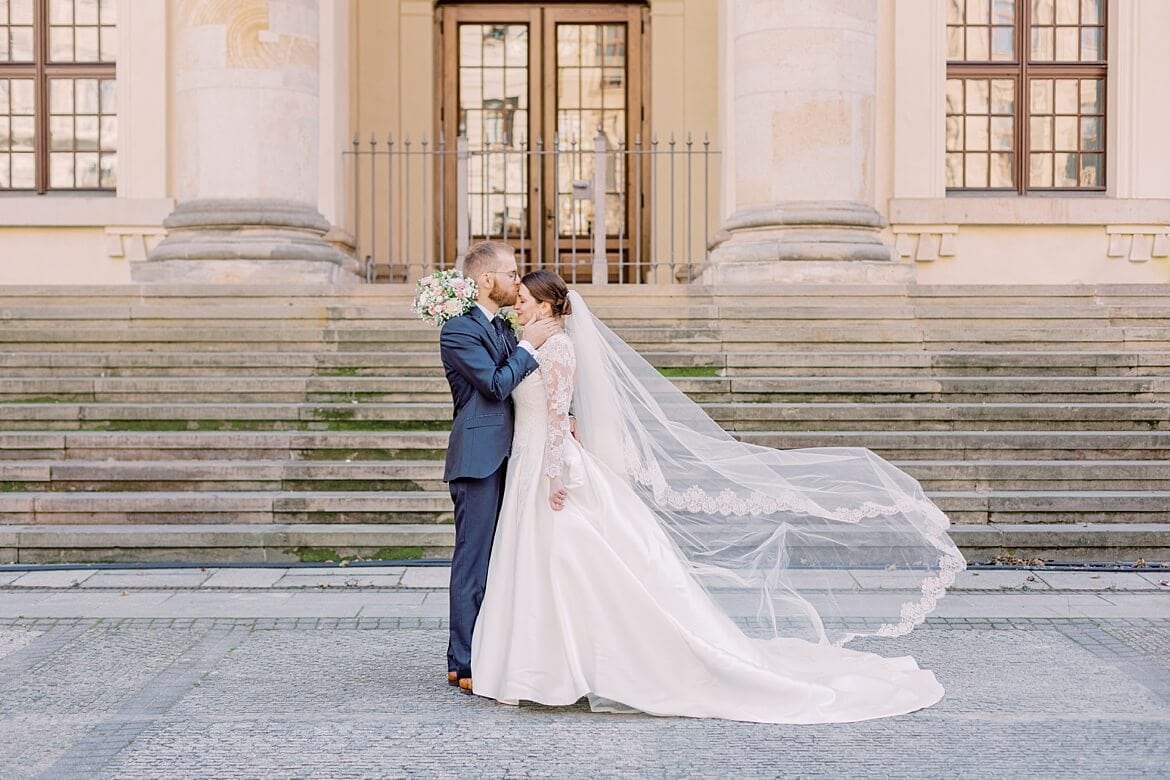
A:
231, 424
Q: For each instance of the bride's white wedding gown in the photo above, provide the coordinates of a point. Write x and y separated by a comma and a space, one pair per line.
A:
593, 601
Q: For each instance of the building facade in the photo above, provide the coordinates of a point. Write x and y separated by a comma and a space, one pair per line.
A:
668, 141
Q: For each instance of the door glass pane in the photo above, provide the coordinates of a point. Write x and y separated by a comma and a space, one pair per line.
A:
591, 100
493, 114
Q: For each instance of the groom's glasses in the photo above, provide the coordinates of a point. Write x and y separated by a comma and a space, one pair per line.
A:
510, 274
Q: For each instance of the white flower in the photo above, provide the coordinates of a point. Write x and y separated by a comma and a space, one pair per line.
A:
443, 295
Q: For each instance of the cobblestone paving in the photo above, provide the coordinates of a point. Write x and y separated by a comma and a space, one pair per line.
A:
129, 698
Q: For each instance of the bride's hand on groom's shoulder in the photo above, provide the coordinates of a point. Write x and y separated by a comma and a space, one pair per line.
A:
557, 494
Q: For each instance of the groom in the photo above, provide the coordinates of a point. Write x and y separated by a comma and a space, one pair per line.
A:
484, 364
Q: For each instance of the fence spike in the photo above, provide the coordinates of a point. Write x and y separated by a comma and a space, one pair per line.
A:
373, 140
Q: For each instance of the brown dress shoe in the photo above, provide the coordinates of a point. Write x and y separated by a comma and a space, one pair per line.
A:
465, 684
452, 678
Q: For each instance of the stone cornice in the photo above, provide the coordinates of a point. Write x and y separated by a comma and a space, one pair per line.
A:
1028, 211
81, 211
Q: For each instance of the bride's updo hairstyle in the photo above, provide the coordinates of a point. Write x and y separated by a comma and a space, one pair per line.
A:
547, 286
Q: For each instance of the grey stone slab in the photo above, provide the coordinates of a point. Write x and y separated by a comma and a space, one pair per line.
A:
1054, 605
1105, 580
149, 578
22, 603
436, 610
887, 580
1161, 580
81, 604
243, 578
320, 604
984, 579
7, 577
225, 604
347, 571
427, 577
54, 578
332, 582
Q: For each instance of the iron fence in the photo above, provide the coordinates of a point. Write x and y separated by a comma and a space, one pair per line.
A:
602, 212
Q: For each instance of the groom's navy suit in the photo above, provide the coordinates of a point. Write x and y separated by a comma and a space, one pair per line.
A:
483, 366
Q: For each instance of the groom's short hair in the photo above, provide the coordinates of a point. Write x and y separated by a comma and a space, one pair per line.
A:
484, 256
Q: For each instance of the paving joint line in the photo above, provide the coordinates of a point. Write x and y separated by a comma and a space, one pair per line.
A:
104, 741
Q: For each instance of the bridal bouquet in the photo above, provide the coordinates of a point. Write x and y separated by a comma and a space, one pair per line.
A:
443, 295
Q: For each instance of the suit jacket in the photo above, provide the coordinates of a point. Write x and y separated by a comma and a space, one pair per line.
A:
482, 379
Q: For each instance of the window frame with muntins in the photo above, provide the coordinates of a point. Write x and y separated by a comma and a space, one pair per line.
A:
1036, 75
57, 145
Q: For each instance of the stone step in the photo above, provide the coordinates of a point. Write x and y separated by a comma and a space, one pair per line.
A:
215, 445
943, 445
734, 416
239, 474
222, 475
941, 416
223, 542
211, 507
35, 416
215, 364
778, 308
977, 446
426, 363
291, 542
245, 389
1006, 476
1054, 506
434, 506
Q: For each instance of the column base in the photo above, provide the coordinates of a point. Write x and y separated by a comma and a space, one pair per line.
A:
805, 243
232, 241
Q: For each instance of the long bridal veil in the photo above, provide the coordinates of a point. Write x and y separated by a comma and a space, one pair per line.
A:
820, 544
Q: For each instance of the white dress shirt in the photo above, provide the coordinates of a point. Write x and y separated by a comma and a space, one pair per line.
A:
492, 315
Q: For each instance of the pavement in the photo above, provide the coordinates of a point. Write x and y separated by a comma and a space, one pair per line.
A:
339, 672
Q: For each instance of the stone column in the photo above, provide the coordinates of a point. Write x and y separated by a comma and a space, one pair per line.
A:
801, 162
244, 147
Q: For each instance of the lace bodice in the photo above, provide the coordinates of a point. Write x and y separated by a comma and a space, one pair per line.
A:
542, 403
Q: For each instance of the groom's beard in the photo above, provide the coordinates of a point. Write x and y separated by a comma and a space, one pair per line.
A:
503, 297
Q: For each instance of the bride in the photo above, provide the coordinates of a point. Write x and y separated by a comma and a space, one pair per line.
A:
659, 565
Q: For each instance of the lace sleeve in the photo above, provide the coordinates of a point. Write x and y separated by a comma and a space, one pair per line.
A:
557, 365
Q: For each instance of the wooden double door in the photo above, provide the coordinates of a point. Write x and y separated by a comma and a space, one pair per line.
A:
530, 87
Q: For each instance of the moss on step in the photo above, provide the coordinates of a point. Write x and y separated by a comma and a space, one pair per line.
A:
406, 453
384, 425
330, 555
691, 371
346, 371
162, 425
354, 485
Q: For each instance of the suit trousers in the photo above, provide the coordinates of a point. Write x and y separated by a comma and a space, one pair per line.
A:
477, 508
